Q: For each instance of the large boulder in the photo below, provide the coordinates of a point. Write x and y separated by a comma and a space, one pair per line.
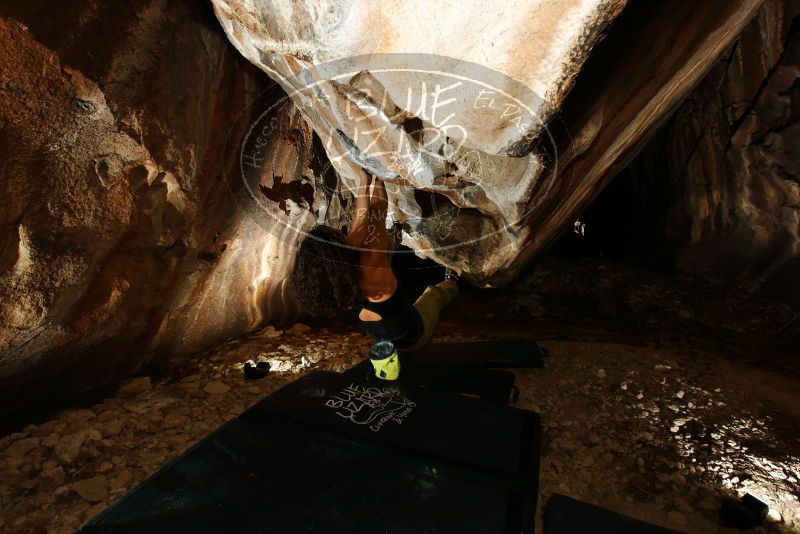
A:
492, 124
120, 237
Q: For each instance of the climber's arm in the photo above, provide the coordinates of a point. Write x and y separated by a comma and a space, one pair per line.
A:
359, 225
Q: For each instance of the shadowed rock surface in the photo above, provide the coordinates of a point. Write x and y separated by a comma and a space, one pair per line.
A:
717, 189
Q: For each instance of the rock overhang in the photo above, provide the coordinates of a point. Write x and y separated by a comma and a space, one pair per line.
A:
447, 102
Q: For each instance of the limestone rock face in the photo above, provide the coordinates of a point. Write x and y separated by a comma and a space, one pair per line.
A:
720, 182
119, 236
155, 184
443, 100
454, 104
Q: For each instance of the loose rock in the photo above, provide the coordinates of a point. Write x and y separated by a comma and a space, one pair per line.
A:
93, 489
70, 445
22, 447
677, 517
216, 388
298, 328
174, 419
136, 385
52, 478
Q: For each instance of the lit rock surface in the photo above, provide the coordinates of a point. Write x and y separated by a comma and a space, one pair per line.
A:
119, 237
443, 100
453, 104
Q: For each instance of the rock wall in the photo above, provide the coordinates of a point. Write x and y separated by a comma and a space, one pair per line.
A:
120, 237
493, 125
442, 100
155, 184
717, 190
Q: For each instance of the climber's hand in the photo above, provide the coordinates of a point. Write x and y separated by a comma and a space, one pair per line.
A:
377, 198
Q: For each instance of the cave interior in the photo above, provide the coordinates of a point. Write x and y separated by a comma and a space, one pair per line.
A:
637, 258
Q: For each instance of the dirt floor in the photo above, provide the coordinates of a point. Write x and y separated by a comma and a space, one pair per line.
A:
662, 396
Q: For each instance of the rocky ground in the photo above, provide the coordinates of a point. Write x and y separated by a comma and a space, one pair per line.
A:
664, 434
64, 471
658, 400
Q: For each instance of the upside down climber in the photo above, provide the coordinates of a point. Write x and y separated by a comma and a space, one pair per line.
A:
352, 271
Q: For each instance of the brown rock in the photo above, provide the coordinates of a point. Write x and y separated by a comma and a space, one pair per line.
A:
216, 388
51, 440
121, 480
95, 510
104, 467
49, 464
270, 332
179, 439
174, 419
138, 408
112, 428
93, 489
677, 517
108, 415
136, 385
47, 427
22, 447
532, 304
189, 386
78, 415
51, 478
683, 506
107, 267
43, 499
298, 328
70, 445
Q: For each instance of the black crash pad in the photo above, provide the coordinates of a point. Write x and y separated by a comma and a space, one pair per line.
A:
469, 368
501, 353
329, 454
419, 420
487, 384
565, 515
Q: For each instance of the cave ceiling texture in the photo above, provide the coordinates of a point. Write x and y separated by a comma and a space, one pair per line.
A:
161, 160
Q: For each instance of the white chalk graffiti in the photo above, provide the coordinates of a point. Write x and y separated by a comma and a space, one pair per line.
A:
371, 406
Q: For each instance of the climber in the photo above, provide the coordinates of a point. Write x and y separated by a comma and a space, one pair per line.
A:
337, 271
